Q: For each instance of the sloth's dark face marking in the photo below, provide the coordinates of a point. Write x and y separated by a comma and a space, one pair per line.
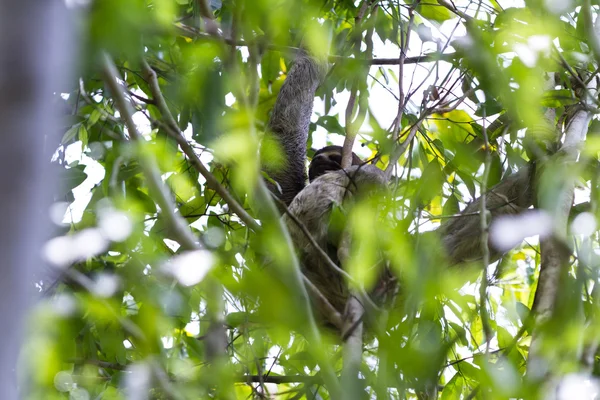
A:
326, 160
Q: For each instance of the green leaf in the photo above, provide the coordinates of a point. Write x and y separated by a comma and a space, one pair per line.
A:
451, 206
94, 117
270, 66
435, 12
504, 338
83, 135
70, 134
331, 124
453, 389
73, 177
460, 332
558, 98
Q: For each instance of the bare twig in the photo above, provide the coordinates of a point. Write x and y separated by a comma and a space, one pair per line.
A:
326, 259
160, 193
332, 315
280, 379
452, 8
591, 29
292, 273
98, 363
555, 252
405, 40
91, 102
400, 149
352, 127
189, 31
484, 218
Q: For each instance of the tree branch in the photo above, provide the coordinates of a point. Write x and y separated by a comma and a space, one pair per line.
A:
188, 31
554, 251
173, 130
165, 201
352, 127
147, 162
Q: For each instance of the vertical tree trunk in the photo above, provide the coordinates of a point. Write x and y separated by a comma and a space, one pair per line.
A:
33, 59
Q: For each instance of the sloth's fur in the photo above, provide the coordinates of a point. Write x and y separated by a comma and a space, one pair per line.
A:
313, 207
330, 186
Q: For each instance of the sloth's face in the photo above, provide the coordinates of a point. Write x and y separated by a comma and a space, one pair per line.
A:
326, 160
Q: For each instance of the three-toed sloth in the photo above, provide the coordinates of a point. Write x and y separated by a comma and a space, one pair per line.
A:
329, 186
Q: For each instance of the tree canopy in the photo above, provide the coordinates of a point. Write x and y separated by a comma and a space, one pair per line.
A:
171, 275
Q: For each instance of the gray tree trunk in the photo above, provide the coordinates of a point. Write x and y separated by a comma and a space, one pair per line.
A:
33, 62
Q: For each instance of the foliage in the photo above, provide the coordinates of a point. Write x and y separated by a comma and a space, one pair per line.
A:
130, 309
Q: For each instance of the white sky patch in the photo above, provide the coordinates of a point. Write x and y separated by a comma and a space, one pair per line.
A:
82, 193
193, 327
527, 56
131, 307
191, 267
167, 342
536, 45
142, 124
171, 244
229, 99
540, 43
188, 132
273, 353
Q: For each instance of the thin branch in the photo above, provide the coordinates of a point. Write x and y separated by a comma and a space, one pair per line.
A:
173, 130
554, 250
591, 29
188, 31
452, 8
399, 150
91, 102
401, 61
484, 221
291, 274
98, 363
352, 127
324, 256
331, 313
153, 177
163, 197
279, 379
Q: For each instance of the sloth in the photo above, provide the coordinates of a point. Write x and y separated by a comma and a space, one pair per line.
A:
328, 159
329, 186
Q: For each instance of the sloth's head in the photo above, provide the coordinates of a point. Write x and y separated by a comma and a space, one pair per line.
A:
328, 159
